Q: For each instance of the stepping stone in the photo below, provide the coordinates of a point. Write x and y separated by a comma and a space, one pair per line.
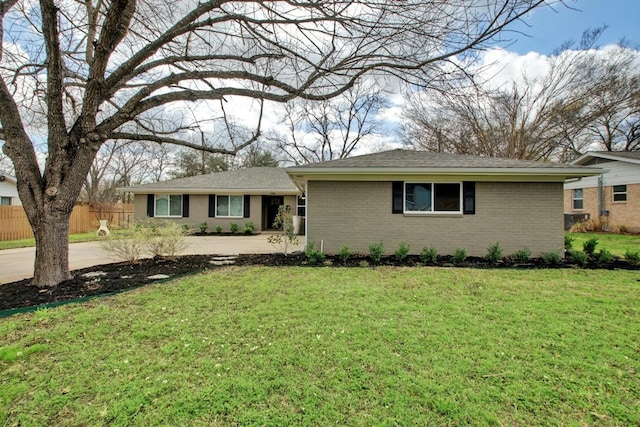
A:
158, 277
223, 260
94, 274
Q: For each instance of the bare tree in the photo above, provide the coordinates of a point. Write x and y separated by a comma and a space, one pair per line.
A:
329, 129
83, 73
586, 99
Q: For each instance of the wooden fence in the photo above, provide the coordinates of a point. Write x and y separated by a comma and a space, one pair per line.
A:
14, 224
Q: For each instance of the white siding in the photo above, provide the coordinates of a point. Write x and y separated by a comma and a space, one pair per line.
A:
8, 189
617, 173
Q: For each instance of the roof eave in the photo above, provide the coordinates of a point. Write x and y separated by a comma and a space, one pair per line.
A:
588, 156
184, 190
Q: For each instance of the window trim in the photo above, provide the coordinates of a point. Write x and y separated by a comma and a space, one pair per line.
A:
433, 204
229, 206
574, 199
614, 193
168, 196
10, 199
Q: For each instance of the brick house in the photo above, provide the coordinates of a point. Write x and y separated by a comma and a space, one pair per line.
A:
435, 199
613, 196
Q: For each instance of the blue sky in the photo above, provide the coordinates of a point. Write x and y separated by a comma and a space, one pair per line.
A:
548, 29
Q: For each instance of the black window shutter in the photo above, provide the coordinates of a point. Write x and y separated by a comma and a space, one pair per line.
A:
247, 206
398, 195
212, 205
151, 200
469, 198
185, 205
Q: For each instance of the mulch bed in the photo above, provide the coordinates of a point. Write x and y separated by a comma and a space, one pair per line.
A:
117, 277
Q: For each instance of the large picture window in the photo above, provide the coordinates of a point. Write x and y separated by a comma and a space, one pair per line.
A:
230, 206
432, 197
168, 205
619, 193
578, 199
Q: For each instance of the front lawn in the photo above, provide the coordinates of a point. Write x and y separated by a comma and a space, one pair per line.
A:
315, 346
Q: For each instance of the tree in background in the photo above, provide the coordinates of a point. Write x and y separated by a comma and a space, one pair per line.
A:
329, 129
587, 99
83, 73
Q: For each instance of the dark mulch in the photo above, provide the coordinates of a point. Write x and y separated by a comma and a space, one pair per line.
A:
116, 277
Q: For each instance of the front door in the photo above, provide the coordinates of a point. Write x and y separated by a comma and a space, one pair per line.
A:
270, 205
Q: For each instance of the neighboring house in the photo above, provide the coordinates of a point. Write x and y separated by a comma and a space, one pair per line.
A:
434, 199
8, 190
219, 199
613, 196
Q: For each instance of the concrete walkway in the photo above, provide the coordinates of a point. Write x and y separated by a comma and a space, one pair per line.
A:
17, 264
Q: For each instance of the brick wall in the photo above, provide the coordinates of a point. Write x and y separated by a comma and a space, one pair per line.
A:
516, 215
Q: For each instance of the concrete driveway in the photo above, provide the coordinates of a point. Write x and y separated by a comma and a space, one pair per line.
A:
17, 264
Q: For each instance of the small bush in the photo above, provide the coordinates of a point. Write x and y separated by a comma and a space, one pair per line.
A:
623, 229
551, 257
165, 239
568, 242
185, 229
632, 257
313, 256
589, 247
343, 254
218, 229
248, 228
233, 227
494, 253
376, 250
605, 256
402, 252
203, 227
579, 257
429, 255
128, 245
522, 255
459, 255
363, 264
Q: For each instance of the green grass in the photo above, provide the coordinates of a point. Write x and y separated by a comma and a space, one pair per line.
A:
617, 244
360, 347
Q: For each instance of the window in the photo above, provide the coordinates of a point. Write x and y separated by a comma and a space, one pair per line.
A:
302, 206
432, 197
619, 193
168, 205
578, 199
5, 201
230, 206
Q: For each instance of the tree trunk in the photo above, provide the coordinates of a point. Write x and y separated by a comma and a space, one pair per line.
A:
52, 250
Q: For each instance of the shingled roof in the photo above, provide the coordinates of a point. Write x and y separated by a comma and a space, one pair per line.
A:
597, 157
259, 180
410, 161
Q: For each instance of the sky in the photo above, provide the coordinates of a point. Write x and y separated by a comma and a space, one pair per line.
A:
547, 28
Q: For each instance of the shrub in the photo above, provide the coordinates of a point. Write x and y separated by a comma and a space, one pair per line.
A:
219, 229
363, 264
343, 254
459, 255
165, 239
494, 253
376, 250
233, 227
522, 255
429, 255
623, 229
605, 256
551, 257
632, 257
248, 228
579, 257
127, 245
568, 242
203, 227
185, 229
314, 256
589, 247
402, 252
